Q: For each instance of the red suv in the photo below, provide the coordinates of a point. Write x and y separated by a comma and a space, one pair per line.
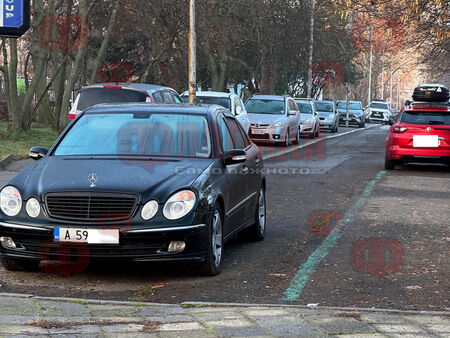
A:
421, 134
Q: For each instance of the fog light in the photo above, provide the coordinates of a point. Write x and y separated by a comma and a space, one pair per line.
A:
276, 137
7, 242
176, 246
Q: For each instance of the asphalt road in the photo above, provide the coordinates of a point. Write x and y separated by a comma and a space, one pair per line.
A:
341, 232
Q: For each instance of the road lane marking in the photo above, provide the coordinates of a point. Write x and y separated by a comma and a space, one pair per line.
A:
287, 151
306, 270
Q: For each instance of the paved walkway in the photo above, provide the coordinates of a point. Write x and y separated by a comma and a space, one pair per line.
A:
22, 315
12, 169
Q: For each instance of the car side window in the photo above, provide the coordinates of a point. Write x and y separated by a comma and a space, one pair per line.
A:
227, 140
177, 98
236, 133
157, 97
168, 98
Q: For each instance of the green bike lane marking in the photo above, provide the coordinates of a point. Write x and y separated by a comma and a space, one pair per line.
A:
306, 270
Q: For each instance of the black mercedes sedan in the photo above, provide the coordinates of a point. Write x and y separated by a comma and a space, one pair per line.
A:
136, 182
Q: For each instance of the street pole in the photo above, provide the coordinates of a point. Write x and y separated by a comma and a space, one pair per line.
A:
398, 91
347, 106
311, 50
369, 92
192, 53
391, 101
382, 79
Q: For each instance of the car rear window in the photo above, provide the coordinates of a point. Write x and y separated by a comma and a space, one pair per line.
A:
92, 96
351, 106
426, 117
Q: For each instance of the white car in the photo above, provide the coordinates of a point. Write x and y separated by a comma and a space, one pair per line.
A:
230, 101
378, 112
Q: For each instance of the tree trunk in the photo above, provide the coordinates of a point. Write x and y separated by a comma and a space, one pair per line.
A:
15, 112
102, 52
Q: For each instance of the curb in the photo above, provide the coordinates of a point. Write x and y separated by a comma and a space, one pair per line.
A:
190, 304
7, 160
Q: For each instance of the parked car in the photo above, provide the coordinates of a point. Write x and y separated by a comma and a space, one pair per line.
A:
121, 93
309, 118
378, 112
356, 113
420, 134
274, 119
329, 118
137, 182
394, 113
228, 100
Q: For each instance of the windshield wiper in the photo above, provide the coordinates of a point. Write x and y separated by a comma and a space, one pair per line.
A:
436, 122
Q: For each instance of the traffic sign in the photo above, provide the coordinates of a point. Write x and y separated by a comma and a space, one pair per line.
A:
14, 17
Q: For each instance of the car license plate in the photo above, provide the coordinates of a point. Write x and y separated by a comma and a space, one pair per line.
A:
426, 141
258, 131
90, 236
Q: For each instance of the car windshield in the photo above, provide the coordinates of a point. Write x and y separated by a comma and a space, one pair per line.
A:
258, 106
324, 106
351, 106
139, 134
305, 107
92, 96
221, 101
422, 117
379, 105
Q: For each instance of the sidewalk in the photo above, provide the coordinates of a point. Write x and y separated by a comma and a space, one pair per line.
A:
25, 315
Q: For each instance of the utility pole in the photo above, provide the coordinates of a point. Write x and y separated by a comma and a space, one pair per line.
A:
398, 91
348, 106
369, 92
382, 79
391, 88
192, 53
311, 50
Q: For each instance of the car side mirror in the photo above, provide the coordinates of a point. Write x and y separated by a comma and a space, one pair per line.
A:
234, 157
36, 153
238, 110
292, 112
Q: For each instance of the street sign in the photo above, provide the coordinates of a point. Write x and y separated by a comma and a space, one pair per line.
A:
14, 17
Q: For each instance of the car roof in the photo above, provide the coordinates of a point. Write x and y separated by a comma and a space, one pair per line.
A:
428, 106
185, 108
269, 97
211, 94
324, 101
139, 86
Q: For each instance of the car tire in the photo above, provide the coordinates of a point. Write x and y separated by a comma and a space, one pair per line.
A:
362, 125
257, 231
389, 164
12, 264
287, 141
212, 266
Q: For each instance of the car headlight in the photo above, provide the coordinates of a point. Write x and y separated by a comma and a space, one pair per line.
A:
149, 210
279, 124
10, 201
179, 205
33, 208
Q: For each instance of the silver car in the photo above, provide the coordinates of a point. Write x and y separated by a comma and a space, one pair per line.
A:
309, 118
329, 117
274, 119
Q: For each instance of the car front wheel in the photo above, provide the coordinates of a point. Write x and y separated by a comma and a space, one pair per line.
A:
12, 264
214, 256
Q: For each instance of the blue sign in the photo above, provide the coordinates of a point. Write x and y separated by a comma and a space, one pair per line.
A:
14, 17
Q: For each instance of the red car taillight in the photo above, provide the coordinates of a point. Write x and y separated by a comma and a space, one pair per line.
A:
399, 130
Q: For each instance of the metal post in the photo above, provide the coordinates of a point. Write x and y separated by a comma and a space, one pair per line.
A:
311, 50
192, 53
369, 92
347, 106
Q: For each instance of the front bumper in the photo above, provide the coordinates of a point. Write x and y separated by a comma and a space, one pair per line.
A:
139, 245
270, 135
327, 124
354, 120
